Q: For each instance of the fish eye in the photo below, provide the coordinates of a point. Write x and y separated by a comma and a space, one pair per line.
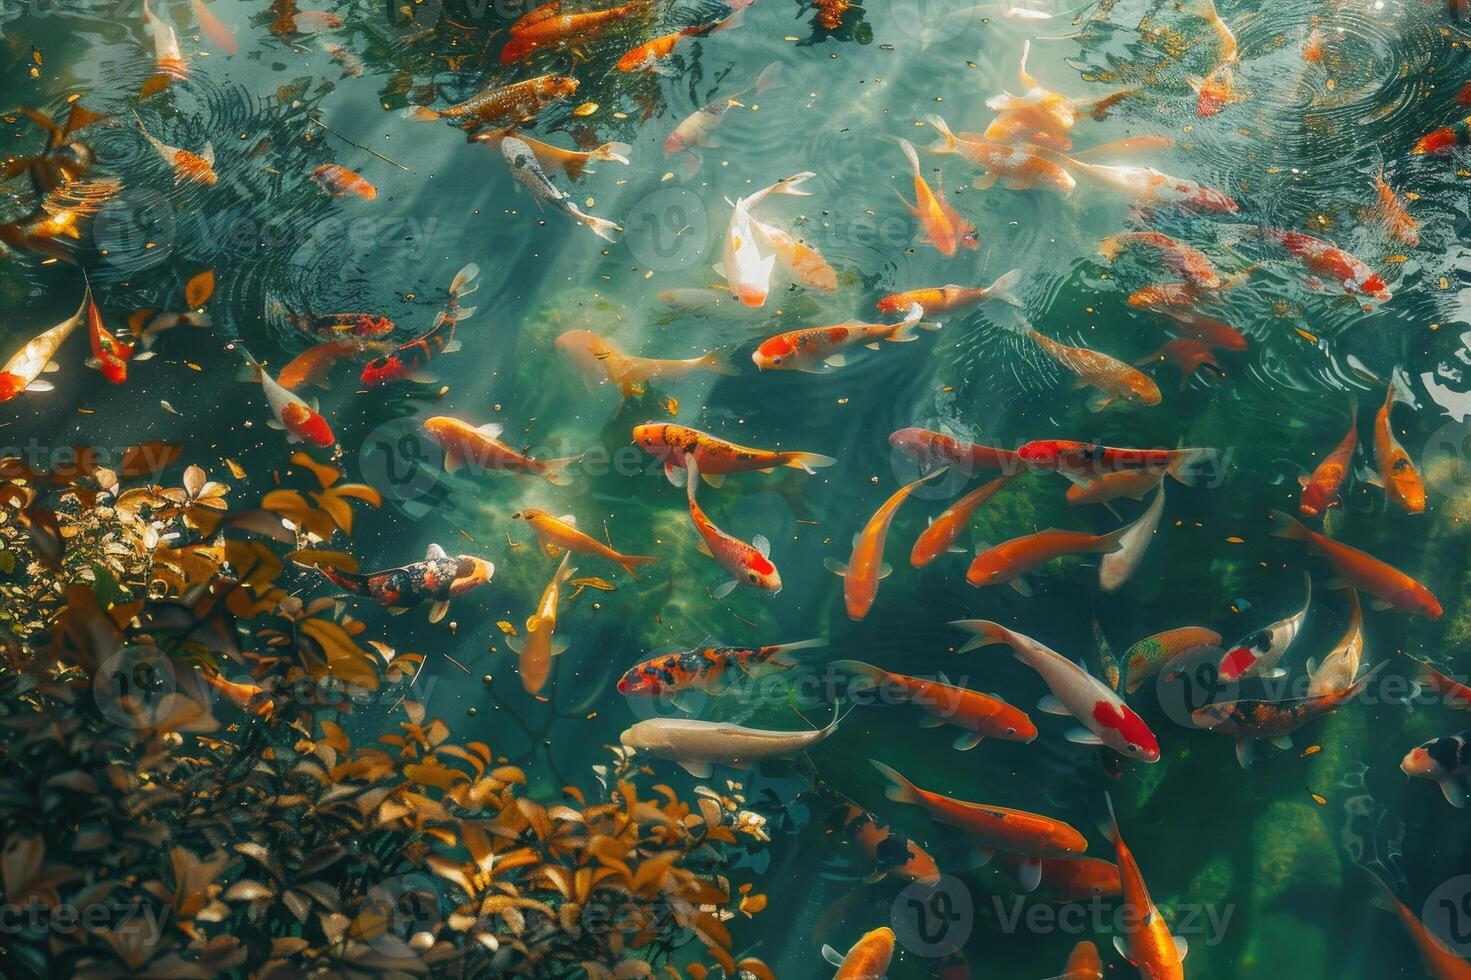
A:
1133, 747
1011, 731
754, 577
776, 360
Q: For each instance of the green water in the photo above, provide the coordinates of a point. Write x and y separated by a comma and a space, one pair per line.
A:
1252, 851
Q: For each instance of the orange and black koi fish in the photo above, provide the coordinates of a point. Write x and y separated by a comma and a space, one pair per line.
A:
437, 579
708, 667
891, 853
1067, 456
409, 361
1444, 139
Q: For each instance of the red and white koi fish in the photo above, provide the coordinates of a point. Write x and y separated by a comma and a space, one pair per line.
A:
1090, 459
940, 224
1257, 654
215, 29
1333, 263
866, 568
25, 367
817, 350
1145, 939
1148, 187
1187, 260
109, 355
302, 422
166, 54
750, 564
197, 167
1105, 718
743, 265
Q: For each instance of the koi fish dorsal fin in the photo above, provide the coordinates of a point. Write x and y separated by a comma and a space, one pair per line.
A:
434, 551
491, 430
570, 519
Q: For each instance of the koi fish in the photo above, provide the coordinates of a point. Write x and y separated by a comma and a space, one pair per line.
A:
504, 105
698, 746
1328, 260
868, 959
1453, 693
1216, 90
1397, 474
742, 264
801, 259
708, 668
215, 29
436, 580
24, 369
646, 56
1148, 187
1038, 115
1221, 336
1250, 719
1144, 937
866, 567
1084, 963
1438, 961
558, 534
749, 564
1179, 257
408, 362
891, 853
301, 422
1089, 459
331, 326
1118, 566
338, 181
166, 54
941, 225
573, 163
936, 539
981, 715
929, 449
311, 366
542, 29
1005, 563
599, 358
1447, 760
1102, 713
1257, 654
1111, 377
1016, 169
676, 443
698, 128
109, 355
1104, 487
1189, 355
247, 697
481, 449
943, 300
818, 350
1149, 656
1341, 665
1445, 139
1073, 879
541, 643
524, 167
1320, 491
1393, 213
197, 167
352, 65
994, 828
1391, 587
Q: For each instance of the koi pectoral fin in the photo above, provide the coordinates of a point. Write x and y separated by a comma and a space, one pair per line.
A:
836, 567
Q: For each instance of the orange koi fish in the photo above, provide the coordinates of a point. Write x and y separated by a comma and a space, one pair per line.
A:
867, 960
818, 350
1393, 213
981, 715
1216, 90
573, 163
505, 105
600, 359
1104, 487
1251, 719
800, 258
1331, 262
541, 643
936, 539
1189, 355
1393, 588
941, 300
708, 668
558, 534
312, 365
1320, 491
646, 56
1067, 456
1069, 880
109, 355
866, 568
1008, 561
23, 371
1145, 938
1111, 377
1184, 259
750, 564
891, 853
1038, 115
1439, 962
1221, 336
994, 828
1015, 168
674, 444
215, 29
928, 449
1454, 693
547, 27
1397, 474
1445, 139
198, 167
1084, 963
941, 225
481, 449
301, 422
339, 182
247, 697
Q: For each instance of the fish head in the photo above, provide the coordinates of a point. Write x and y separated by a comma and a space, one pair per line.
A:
641, 680
11, 385
1421, 761
776, 353
1375, 287
380, 370
650, 438
471, 571
1419, 600
760, 573
988, 568
1133, 737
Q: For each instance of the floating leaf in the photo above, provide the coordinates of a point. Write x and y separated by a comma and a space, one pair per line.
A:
199, 289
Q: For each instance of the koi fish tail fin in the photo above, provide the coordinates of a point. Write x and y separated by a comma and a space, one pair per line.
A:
900, 790
1182, 467
808, 462
607, 230
1107, 544
1004, 288
1022, 75
463, 283
612, 153
780, 655
1111, 829
867, 674
985, 633
421, 113
913, 157
1399, 390
631, 562
350, 581
554, 471
1289, 527
770, 78
719, 362
947, 141
1111, 246
787, 186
